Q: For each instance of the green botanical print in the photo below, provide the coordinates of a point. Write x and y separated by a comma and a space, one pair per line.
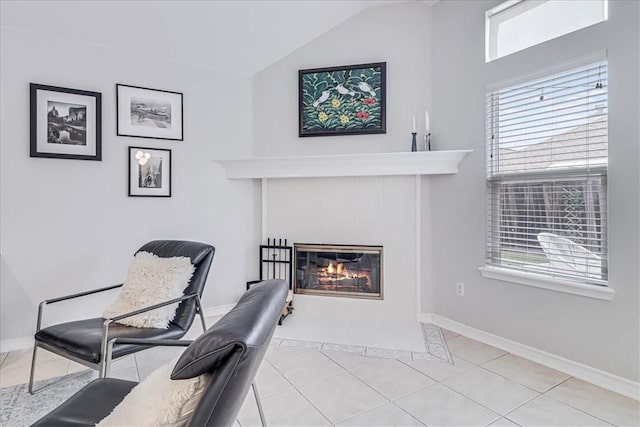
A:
342, 100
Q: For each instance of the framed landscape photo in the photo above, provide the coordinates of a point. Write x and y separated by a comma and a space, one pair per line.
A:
344, 100
149, 172
65, 123
149, 113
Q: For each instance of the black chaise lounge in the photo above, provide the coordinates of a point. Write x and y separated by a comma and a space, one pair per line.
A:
85, 341
231, 351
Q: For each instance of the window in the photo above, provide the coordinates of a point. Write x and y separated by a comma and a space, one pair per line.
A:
547, 176
518, 24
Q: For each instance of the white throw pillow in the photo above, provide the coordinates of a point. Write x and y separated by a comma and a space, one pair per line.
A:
159, 401
151, 280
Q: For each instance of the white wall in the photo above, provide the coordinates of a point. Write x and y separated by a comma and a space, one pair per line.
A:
68, 225
374, 210
360, 211
397, 34
601, 334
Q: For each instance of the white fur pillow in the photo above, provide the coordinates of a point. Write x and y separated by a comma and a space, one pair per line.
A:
151, 280
159, 401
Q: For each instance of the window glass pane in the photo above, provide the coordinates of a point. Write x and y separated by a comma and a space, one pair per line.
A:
532, 217
531, 22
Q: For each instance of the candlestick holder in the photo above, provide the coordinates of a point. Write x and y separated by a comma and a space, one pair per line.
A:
427, 141
414, 145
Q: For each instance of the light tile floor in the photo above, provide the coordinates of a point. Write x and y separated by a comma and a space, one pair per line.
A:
315, 385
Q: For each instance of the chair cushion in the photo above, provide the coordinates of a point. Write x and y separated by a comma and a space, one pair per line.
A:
151, 280
89, 405
158, 401
82, 339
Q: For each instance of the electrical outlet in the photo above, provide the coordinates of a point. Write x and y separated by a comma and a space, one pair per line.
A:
460, 289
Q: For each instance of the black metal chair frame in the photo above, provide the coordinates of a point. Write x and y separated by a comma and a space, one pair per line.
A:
183, 343
107, 345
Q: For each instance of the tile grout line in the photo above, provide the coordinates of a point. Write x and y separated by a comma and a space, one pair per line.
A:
425, 342
376, 391
412, 416
367, 385
299, 392
474, 401
510, 379
571, 406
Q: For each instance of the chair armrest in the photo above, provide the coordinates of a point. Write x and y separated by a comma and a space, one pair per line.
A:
80, 294
68, 297
152, 342
152, 307
107, 345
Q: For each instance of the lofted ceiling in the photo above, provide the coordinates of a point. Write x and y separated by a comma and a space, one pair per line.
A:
238, 37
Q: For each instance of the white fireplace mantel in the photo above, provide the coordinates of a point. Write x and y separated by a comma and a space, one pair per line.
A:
370, 164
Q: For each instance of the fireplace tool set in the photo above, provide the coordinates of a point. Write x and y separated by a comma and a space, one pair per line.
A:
276, 263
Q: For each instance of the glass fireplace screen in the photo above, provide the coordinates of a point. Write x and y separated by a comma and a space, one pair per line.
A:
338, 270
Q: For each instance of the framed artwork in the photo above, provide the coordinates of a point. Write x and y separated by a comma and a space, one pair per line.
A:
149, 113
149, 172
345, 100
65, 123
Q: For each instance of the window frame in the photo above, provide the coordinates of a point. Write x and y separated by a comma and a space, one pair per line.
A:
531, 277
491, 40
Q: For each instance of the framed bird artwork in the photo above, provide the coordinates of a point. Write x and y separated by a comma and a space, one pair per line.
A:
343, 100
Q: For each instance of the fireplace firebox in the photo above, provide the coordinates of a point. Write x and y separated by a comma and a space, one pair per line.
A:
338, 270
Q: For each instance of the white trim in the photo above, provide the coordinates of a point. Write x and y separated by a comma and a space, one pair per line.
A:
263, 206
425, 318
501, 7
549, 283
16, 344
27, 342
418, 242
367, 164
218, 310
592, 375
593, 57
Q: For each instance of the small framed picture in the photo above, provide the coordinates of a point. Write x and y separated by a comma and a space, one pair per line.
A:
65, 123
149, 172
344, 100
149, 113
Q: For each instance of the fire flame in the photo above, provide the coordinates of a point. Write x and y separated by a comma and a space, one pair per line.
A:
339, 271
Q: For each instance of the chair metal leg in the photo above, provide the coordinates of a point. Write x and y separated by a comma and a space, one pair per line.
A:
105, 350
33, 371
257, 396
199, 307
33, 368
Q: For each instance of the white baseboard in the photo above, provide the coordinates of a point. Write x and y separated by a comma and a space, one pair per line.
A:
16, 344
592, 375
218, 310
27, 342
425, 318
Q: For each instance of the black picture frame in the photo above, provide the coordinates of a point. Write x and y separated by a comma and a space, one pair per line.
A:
65, 123
143, 112
342, 100
153, 177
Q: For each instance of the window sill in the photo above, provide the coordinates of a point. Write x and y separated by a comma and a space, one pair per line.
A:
549, 283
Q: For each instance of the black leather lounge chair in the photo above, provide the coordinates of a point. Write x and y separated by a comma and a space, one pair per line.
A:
231, 351
86, 341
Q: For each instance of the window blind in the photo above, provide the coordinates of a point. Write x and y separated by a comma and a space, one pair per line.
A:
547, 175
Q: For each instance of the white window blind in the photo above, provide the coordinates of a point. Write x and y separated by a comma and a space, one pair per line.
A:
547, 175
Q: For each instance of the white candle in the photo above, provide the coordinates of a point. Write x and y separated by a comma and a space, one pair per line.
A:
426, 120
414, 123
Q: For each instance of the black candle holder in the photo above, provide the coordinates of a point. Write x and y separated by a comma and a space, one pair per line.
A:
414, 145
427, 141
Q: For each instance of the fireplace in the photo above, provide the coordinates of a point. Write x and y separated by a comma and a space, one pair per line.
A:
338, 270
